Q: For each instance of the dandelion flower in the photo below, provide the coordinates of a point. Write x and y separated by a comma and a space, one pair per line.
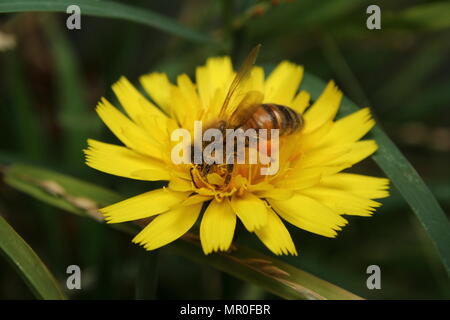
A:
310, 189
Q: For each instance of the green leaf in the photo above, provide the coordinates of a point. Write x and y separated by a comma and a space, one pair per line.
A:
28, 264
404, 177
244, 263
108, 9
430, 16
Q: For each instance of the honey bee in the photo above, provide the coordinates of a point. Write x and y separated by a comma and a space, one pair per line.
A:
250, 113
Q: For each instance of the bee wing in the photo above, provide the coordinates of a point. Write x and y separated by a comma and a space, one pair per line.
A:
240, 77
251, 101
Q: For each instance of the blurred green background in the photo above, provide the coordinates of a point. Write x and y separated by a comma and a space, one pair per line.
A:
52, 78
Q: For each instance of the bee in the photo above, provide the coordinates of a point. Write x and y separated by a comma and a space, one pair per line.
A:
250, 113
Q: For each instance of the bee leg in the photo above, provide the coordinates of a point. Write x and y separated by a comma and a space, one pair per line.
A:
192, 154
230, 167
192, 177
206, 169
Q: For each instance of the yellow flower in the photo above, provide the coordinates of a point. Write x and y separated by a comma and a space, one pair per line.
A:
309, 190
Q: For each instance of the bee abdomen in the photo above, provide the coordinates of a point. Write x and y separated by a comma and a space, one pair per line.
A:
275, 116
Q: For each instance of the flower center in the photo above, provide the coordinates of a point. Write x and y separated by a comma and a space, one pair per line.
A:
222, 180
215, 177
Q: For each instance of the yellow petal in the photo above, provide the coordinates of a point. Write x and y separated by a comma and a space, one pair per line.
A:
302, 178
168, 227
316, 138
217, 74
190, 92
142, 206
124, 162
360, 185
151, 174
134, 103
251, 210
256, 79
158, 86
275, 236
342, 202
308, 214
144, 143
275, 193
326, 156
205, 90
195, 199
268, 190
358, 152
127, 131
301, 101
214, 178
186, 105
324, 109
351, 128
159, 131
217, 227
180, 184
283, 83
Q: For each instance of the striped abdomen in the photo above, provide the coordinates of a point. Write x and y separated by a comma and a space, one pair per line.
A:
274, 116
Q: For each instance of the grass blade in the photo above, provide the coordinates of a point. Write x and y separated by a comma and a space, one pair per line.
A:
108, 9
271, 274
404, 177
73, 111
244, 263
147, 275
28, 264
60, 190
30, 134
413, 76
428, 16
